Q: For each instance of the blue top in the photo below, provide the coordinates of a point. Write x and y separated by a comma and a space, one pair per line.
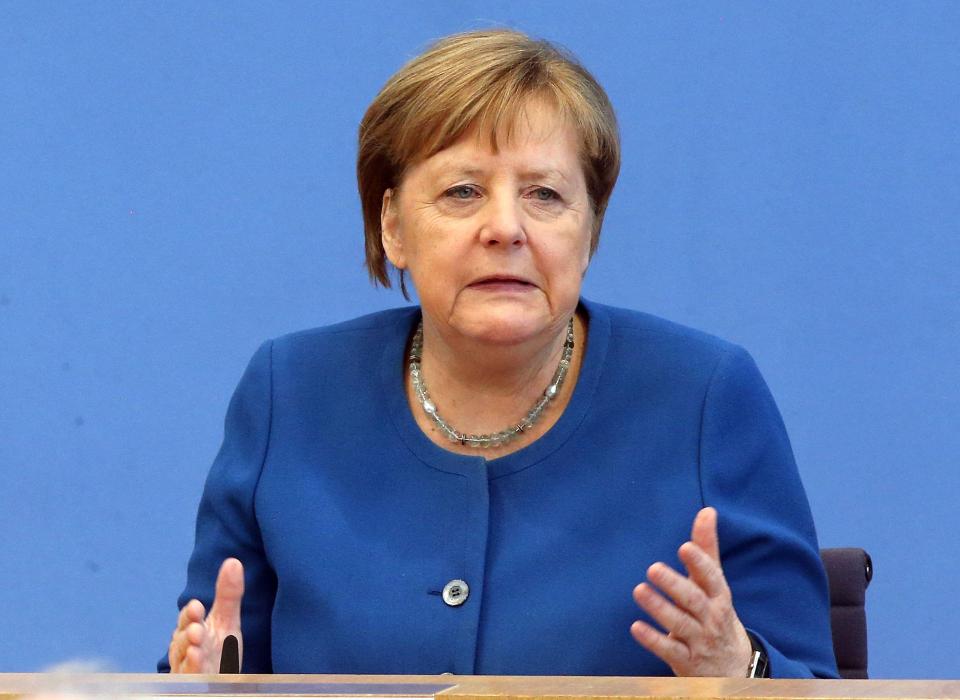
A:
349, 521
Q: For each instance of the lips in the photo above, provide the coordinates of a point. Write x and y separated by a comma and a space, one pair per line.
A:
501, 281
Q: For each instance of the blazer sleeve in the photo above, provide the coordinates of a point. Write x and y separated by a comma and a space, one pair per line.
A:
768, 543
227, 519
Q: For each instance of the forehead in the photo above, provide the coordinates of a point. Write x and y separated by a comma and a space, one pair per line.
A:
535, 138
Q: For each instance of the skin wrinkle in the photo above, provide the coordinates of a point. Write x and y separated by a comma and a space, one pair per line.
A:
488, 85
499, 348
469, 213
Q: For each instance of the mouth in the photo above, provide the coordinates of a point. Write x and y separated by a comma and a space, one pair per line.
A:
502, 279
502, 283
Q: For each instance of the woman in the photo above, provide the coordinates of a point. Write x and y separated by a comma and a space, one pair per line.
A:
476, 484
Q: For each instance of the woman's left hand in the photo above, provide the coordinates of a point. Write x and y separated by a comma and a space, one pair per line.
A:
704, 635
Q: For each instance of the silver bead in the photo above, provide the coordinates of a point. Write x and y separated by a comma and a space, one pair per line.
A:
492, 439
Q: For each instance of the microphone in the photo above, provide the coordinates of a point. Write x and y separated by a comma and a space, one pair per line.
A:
230, 655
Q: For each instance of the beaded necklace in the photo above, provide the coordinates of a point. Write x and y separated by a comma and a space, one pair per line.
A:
501, 437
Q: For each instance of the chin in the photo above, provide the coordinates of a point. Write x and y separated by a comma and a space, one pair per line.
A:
504, 327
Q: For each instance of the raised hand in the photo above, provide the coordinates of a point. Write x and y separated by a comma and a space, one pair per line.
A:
198, 638
704, 635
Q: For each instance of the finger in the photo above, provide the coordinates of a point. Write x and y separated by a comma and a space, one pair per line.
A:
195, 634
669, 616
673, 651
191, 612
183, 640
704, 532
229, 594
175, 652
684, 592
193, 660
705, 571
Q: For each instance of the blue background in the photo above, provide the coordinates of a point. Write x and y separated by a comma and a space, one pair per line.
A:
177, 184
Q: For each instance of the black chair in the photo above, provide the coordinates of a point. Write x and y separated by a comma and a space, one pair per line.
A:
849, 571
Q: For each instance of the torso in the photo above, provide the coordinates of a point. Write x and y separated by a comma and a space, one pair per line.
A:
350, 520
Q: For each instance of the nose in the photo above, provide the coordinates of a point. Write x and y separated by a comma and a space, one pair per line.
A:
502, 225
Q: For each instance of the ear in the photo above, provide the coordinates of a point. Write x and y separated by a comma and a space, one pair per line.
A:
390, 229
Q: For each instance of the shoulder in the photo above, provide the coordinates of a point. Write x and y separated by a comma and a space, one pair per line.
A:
368, 332
362, 326
661, 345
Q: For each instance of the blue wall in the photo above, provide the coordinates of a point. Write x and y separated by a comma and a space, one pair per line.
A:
176, 184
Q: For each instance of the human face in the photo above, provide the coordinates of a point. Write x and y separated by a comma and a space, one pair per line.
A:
495, 241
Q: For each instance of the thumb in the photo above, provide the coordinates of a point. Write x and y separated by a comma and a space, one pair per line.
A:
225, 610
704, 532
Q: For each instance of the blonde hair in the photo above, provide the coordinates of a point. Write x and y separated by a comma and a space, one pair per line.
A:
483, 80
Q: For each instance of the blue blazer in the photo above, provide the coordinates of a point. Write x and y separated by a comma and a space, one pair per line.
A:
350, 521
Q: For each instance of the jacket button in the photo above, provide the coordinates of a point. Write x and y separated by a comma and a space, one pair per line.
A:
456, 592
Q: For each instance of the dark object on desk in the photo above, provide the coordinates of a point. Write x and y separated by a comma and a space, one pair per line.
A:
849, 570
230, 655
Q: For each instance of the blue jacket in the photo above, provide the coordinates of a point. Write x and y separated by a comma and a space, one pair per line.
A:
350, 521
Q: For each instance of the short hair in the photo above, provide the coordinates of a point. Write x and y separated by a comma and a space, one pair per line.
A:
480, 79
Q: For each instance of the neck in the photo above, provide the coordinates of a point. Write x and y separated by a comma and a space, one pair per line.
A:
483, 387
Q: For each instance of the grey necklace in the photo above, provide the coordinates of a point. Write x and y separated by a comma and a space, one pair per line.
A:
490, 439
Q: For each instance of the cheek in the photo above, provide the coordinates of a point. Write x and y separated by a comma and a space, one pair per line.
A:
567, 268
578, 254
429, 233
436, 258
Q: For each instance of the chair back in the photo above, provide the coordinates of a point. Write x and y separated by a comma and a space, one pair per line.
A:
849, 571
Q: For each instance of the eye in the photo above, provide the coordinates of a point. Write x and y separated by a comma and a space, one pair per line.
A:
545, 194
463, 192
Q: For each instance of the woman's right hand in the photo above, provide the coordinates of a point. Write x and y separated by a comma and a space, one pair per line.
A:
198, 639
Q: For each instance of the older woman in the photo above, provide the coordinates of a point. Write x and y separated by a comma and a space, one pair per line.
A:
477, 484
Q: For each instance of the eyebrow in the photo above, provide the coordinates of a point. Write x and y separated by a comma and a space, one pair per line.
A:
461, 171
528, 174
544, 174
